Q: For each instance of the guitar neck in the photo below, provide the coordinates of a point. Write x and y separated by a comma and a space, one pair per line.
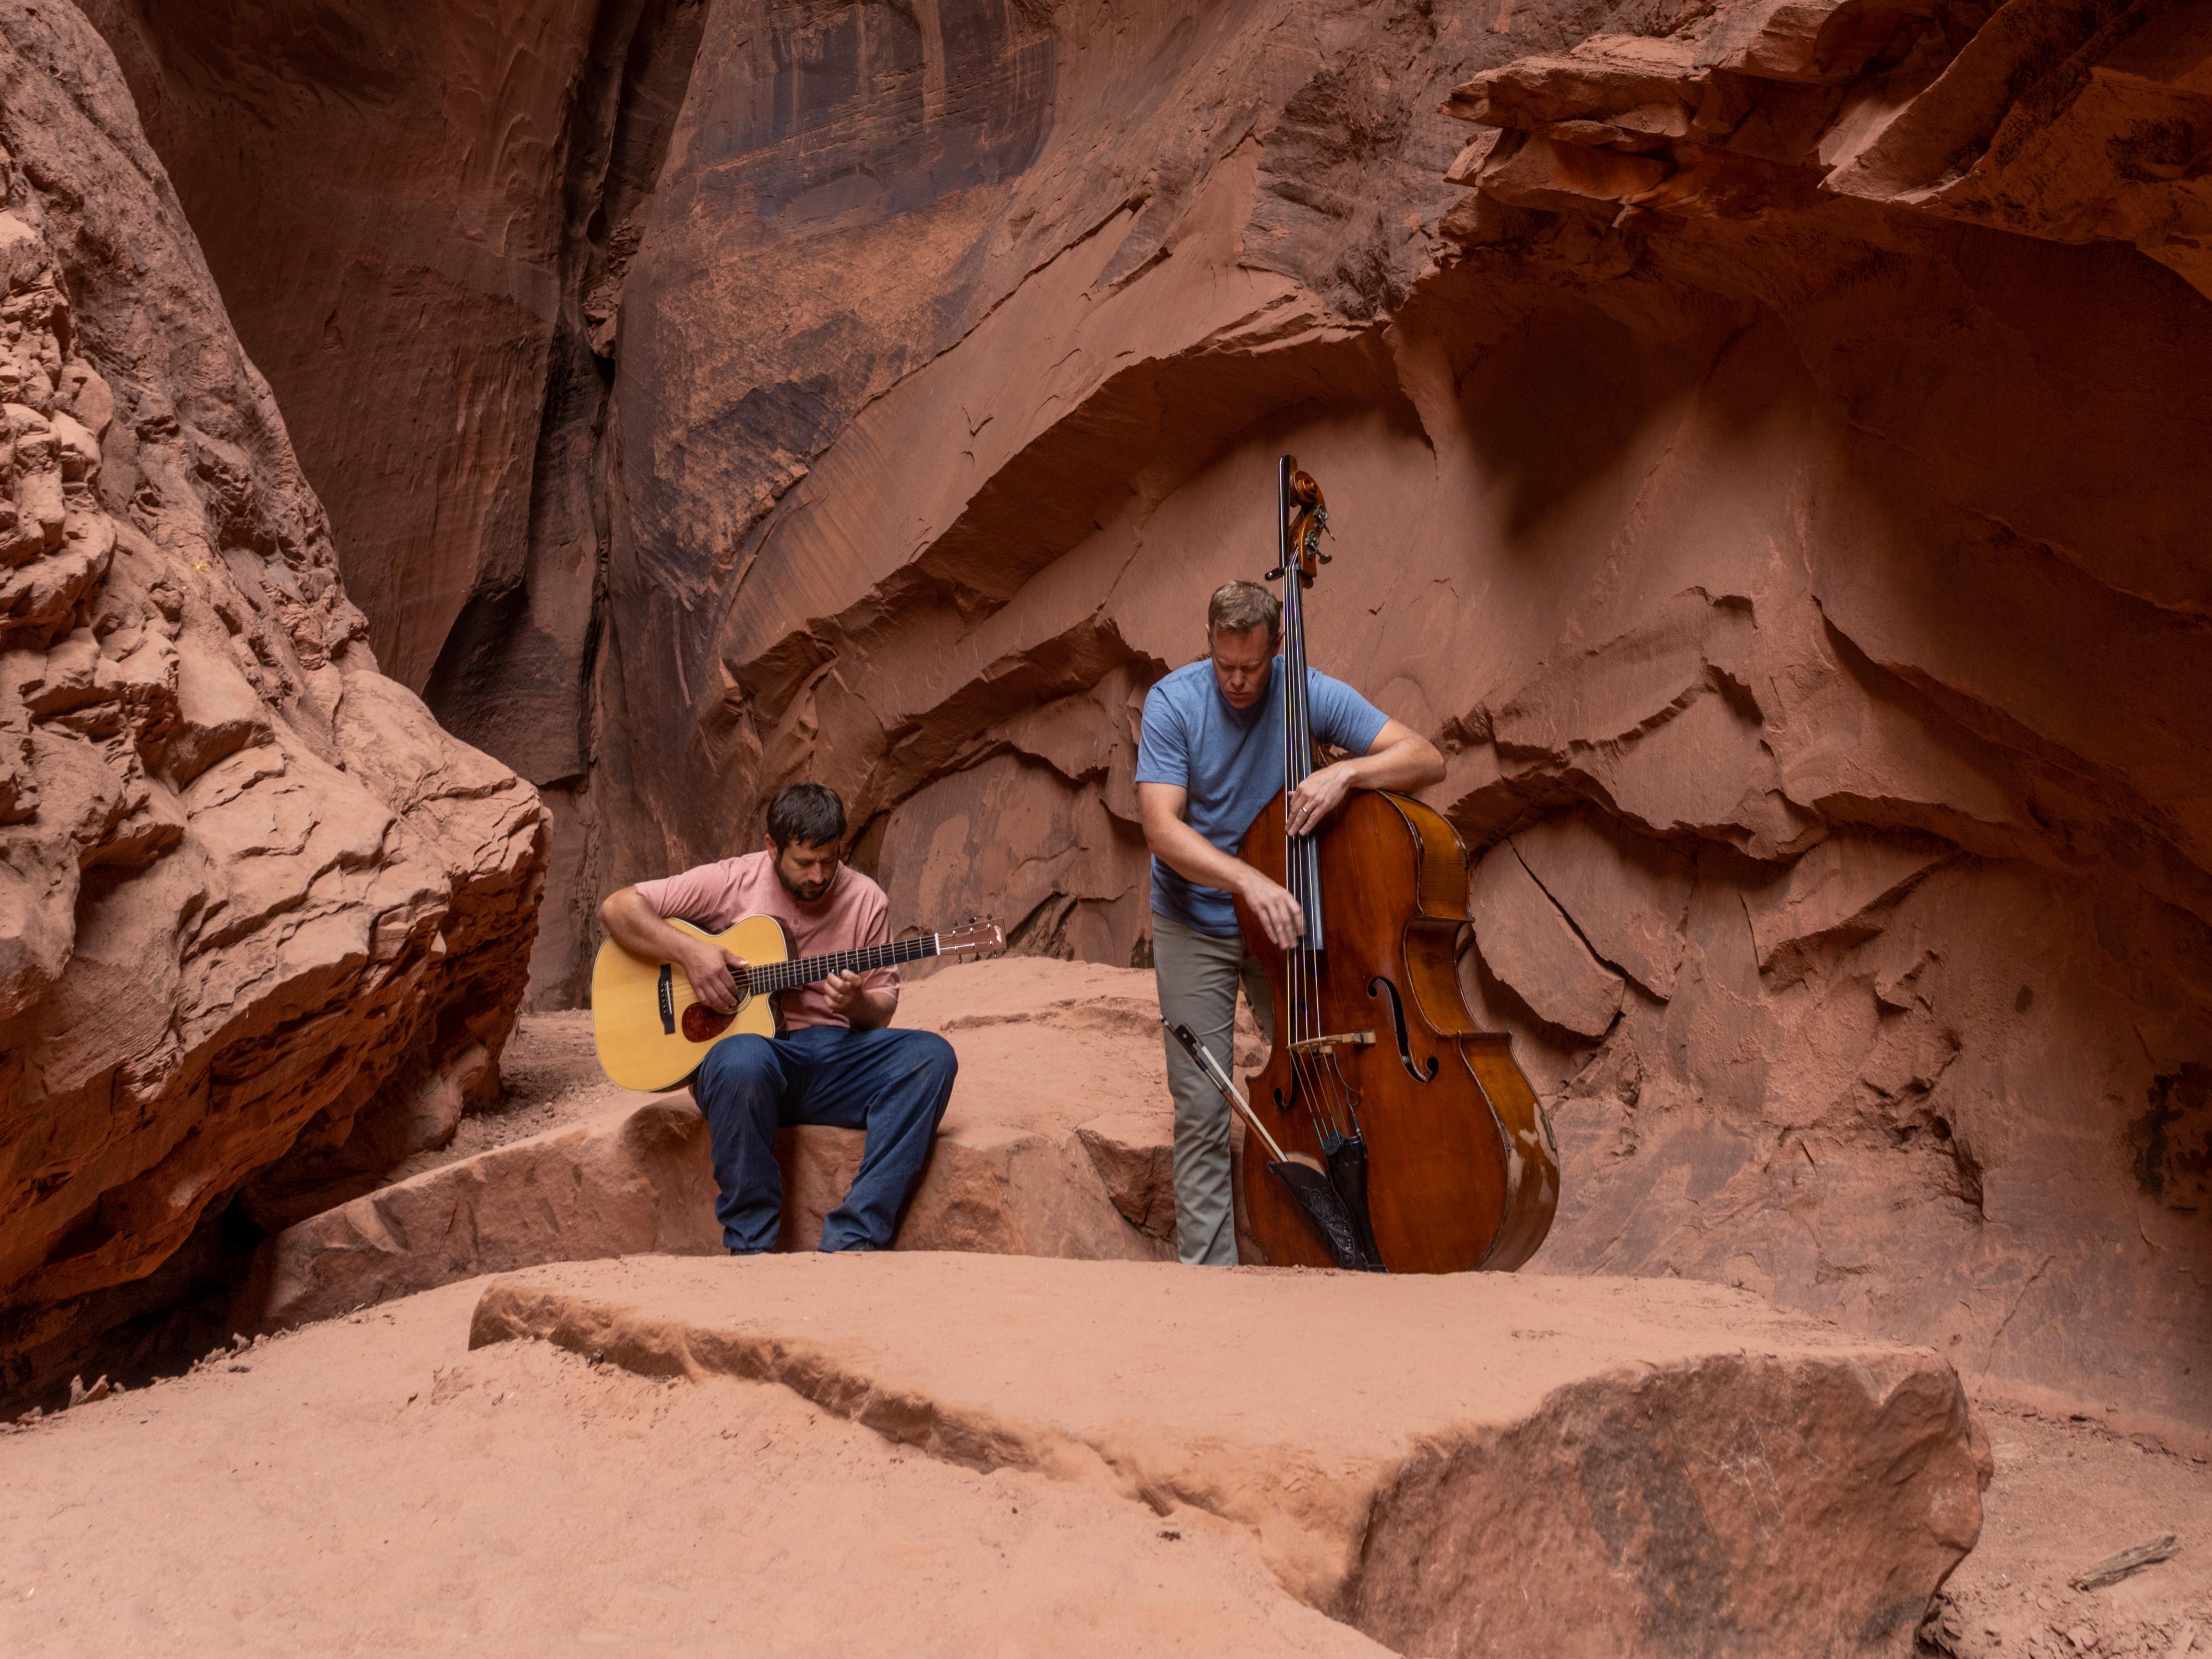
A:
807, 970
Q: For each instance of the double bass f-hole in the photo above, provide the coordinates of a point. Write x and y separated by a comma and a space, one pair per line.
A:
1404, 1042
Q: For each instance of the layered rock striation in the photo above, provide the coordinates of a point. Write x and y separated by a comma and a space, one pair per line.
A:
1769, 458
1861, 771
263, 924
419, 213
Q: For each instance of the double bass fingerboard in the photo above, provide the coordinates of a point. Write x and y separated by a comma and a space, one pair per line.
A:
1300, 853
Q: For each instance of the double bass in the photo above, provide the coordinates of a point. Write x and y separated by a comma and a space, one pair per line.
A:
1390, 1132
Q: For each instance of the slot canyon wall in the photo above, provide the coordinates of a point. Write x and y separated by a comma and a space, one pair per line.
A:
1770, 457
261, 921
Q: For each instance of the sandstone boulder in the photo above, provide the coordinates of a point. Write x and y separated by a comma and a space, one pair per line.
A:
255, 907
640, 1180
1137, 1164
522, 1500
1644, 1465
1006, 1189
1012, 1170
1045, 1049
631, 1183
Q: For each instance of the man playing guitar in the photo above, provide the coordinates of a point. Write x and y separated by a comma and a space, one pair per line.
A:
838, 1061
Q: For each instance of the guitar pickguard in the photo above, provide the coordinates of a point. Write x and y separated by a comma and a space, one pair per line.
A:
703, 1024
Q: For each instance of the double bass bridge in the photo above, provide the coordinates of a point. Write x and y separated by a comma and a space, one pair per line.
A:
1335, 1040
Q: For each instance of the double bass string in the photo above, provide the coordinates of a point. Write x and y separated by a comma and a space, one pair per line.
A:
1335, 1095
1296, 753
1317, 1074
1293, 875
1318, 1071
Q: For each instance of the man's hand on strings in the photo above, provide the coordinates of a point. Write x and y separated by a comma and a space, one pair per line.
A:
841, 991
1312, 801
1279, 913
851, 1000
714, 973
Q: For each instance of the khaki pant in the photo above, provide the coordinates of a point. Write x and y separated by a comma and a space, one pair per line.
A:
1198, 976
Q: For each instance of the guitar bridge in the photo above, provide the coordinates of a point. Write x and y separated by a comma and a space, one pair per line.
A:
668, 999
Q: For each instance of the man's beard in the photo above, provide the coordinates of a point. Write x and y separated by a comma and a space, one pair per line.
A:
806, 892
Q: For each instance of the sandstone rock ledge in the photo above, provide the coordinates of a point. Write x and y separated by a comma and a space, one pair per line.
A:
1058, 1142
1477, 1464
638, 1180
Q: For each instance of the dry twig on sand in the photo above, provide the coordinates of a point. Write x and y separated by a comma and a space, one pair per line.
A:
2114, 1568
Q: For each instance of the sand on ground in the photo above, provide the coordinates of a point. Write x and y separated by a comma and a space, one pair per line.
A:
2066, 1495
367, 1484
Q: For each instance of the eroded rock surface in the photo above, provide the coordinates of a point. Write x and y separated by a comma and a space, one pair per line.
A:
1839, 656
262, 922
419, 213
1648, 1464
1020, 1166
1769, 457
633, 1181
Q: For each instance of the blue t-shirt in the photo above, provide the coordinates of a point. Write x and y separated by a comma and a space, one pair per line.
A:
1230, 761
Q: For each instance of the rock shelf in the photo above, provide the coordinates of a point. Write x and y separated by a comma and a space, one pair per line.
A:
1477, 1463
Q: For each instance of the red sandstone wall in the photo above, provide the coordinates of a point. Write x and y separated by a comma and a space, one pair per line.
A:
261, 921
1772, 464
418, 211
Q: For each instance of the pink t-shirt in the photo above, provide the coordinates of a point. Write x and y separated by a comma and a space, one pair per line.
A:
853, 914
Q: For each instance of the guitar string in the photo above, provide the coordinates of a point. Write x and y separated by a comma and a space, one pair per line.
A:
767, 978
805, 970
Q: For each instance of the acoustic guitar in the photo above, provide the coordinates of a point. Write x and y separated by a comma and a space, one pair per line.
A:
653, 1030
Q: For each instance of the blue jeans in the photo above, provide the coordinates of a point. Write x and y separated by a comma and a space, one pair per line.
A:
892, 1084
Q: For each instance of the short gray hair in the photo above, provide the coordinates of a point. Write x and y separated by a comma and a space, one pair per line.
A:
1239, 607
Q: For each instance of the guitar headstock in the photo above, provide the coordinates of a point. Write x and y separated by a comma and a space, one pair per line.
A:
979, 938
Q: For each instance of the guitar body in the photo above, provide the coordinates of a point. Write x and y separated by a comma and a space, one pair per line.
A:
639, 1007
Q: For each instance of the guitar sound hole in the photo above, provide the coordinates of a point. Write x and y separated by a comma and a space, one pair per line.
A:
703, 1024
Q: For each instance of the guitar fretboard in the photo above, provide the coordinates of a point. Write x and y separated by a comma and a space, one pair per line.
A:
806, 971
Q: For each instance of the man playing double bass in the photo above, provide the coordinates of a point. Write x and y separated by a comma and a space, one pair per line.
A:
1210, 757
